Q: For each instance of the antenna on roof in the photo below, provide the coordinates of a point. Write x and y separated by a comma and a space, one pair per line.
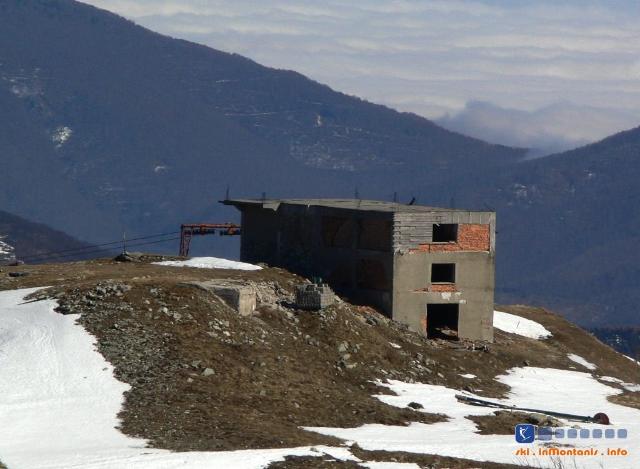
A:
395, 197
264, 196
452, 202
356, 193
226, 193
412, 201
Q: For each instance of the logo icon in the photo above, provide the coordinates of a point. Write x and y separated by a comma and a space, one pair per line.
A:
525, 433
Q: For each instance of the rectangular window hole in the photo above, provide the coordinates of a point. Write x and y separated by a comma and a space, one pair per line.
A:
443, 273
445, 233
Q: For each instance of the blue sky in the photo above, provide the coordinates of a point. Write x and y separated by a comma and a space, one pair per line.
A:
515, 72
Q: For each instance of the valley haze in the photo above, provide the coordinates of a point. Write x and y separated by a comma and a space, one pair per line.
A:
554, 77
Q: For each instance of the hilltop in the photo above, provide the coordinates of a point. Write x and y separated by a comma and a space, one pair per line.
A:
200, 377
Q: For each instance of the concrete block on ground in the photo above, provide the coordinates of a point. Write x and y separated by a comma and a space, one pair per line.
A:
314, 297
242, 298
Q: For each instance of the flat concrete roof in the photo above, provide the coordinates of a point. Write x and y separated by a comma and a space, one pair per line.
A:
346, 204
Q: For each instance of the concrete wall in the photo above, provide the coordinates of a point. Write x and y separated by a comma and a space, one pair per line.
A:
259, 240
350, 249
473, 291
474, 256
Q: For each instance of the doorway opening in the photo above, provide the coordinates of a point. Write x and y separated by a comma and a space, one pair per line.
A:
442, 320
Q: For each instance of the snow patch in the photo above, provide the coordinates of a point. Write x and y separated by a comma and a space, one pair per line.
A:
61, 135
211, 263
394, 345
543, 388
468, 376
632, 359
518, 325
631, 387
23, 90
610, 379
581, 361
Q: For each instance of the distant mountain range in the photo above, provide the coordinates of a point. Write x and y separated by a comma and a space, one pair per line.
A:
117, 128
569, 228
625, 340
35, 242
109, 127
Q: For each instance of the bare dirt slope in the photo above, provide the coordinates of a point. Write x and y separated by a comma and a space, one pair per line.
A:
205, 378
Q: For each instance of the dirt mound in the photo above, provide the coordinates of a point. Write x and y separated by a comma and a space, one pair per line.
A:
503, 422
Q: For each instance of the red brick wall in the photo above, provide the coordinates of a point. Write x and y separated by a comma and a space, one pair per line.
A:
439, 288
471, 237
443, 287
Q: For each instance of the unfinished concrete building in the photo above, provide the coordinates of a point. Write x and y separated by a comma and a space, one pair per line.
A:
430, 268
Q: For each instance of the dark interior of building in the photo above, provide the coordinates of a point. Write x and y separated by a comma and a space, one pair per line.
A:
442, 320
443, 273
445, 233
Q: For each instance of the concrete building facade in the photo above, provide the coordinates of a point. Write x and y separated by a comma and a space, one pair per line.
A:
430, 268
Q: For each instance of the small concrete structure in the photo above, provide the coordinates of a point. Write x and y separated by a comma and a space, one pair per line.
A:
242, 298
430, 268
314, 296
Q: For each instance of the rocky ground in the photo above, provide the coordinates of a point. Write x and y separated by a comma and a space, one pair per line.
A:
423, 461
502, 422
204, 377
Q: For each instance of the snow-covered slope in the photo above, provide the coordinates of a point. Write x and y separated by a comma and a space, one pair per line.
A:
60, 402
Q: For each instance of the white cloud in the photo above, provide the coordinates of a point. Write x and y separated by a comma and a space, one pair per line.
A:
547, 130
431, 56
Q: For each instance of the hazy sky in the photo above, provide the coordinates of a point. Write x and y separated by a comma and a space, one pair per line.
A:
539, 73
